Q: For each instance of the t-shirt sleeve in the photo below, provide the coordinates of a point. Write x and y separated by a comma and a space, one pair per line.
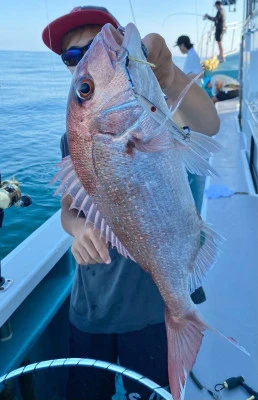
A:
64, 146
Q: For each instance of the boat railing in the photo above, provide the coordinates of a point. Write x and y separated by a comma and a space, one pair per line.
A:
231, 40
30, 262
41, 269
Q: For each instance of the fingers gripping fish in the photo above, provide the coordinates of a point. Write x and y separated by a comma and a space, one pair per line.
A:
127, 173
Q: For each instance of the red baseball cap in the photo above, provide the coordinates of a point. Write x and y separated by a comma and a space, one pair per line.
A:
54, 32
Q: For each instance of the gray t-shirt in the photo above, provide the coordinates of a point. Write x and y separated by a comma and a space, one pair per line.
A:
113, 298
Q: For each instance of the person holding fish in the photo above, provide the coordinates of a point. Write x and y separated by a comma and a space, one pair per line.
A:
116, 310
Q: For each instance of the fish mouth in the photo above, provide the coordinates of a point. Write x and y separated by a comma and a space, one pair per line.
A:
121, 40
112, 37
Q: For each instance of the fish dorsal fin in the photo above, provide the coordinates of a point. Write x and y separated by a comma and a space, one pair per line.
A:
81, 201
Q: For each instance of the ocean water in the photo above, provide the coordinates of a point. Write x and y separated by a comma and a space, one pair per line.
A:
33, 94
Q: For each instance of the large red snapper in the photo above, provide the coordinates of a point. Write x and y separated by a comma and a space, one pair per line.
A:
127, 173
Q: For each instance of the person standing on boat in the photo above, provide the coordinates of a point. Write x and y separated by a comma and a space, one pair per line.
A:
220, 27
192, 65
223, 87
116, 311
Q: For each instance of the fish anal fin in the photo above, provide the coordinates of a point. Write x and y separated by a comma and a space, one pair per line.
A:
206, 257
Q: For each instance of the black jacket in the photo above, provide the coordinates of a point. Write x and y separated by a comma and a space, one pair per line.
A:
220, 20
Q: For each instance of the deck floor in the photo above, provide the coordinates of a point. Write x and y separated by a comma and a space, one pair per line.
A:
231, 287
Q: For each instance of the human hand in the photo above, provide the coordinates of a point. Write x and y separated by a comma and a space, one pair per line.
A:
173, 81
161, 57
88, 247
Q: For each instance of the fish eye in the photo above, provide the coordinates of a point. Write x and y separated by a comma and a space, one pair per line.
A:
86, 89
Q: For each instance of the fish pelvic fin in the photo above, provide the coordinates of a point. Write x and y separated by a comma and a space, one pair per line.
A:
184, 337
210, 242
71, 185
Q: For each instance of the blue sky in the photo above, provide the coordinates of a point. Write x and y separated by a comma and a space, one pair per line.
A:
22, 22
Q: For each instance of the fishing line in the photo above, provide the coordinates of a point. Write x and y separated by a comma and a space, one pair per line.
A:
49, 35
196, 21
181, 13
132, 11
51, 55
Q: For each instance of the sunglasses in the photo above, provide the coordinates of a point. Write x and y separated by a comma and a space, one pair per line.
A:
72, 56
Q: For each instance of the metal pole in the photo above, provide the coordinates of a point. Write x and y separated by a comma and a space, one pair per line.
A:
233, 37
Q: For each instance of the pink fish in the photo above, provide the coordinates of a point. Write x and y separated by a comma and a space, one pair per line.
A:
127, 173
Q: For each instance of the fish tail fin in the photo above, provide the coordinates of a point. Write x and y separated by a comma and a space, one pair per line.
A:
184, 339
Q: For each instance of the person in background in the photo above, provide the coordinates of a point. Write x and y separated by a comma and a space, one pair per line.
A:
116, 311
220, 27
222, 87
192, 65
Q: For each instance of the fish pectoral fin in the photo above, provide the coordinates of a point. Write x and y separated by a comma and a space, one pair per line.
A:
158, 143
206, 257
81, 201
195, 150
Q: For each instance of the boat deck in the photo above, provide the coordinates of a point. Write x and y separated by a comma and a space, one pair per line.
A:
231, 286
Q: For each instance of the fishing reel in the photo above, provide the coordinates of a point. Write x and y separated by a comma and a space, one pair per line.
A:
10, 194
